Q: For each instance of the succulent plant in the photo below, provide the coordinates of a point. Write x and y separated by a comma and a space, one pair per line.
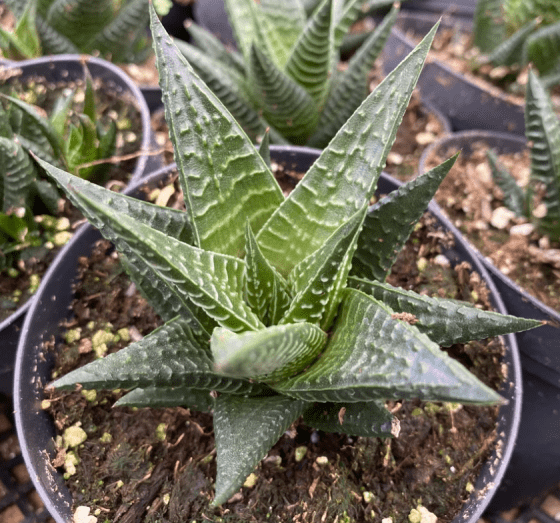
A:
276, 307
518, 32
285, 75
23, 130
542, 130
114, 28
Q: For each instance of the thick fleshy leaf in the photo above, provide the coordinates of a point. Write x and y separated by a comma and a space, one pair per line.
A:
318, 281
514, 197
311, 60
286, 105
244, 23
372, 355
245, 430
165, 397
542, 49
229, 86
344, 19
510, 51
220, 170
444, 321
268, 355
351, 87
335, 186
542, 130
369, 419
171, 356
264, 148
266, 292
17, 172
489, 27
390, 221
24, 39
60, 112
52, 41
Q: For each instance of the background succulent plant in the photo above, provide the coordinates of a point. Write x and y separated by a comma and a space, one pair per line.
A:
285, 74
542, 129
66, 138
114, 28
276, 307
516, 32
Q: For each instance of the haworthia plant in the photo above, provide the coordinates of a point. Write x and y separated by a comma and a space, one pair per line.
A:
114, 28
66, 138
285, 75
542, 129
264, 323
518, 32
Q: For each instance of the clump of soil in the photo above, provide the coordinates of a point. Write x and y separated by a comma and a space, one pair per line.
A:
159, 464
475, 204
17, 288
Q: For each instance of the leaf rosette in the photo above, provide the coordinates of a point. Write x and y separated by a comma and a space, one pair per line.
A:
274, 307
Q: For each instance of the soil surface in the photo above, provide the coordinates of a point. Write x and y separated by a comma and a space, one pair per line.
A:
513, 244
147, 465
16, 289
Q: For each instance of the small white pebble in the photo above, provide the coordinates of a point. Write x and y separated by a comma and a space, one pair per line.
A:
523, 229
501, 217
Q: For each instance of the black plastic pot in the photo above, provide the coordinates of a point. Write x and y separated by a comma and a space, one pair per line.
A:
35, 428
211, 14
467, 104
62, 68
535, 465
461, 8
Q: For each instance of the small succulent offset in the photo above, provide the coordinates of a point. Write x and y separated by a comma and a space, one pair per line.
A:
114, 28
542, 130
276, 307
285, 75
56, 139
518, 32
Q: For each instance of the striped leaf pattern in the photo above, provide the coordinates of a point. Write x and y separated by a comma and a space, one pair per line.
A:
489, 26
514, 197
17, 174
167, 397
542, 49
510, 51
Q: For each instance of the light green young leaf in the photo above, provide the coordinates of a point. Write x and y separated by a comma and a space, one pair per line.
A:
264, 148
514, 197
390, 222
268, 355
369, 419
542, 49
245, 430
168, 397
444, 321
287, 106
335, 186
242, 15
266, 292
489, 26
170, 356
542, 129
60, 113
318, 281
24, 39
381, 357
211, 145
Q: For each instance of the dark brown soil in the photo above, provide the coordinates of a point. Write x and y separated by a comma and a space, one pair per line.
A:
475, 205
16, 290
147, 465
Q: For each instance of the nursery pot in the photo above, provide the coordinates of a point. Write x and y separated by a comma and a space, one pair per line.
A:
467, 104
460, 8
35, 428
535, 465
57, 69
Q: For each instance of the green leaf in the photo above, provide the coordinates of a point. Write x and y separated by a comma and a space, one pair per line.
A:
346, 16
220, 170
52, 41
48, 194
266, 292
286, 105
60, 113
369, 419
514, 197
170, 356
245, 430
312, 58
370, 355
25, 38
17, 173
89, 96
351, 87
264, 148
168, 397
510, 51
318, 281
16, 228
229, 86
444, 321
268, 355
489, 27
390, 222
542, 129
335, 186
542, 48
